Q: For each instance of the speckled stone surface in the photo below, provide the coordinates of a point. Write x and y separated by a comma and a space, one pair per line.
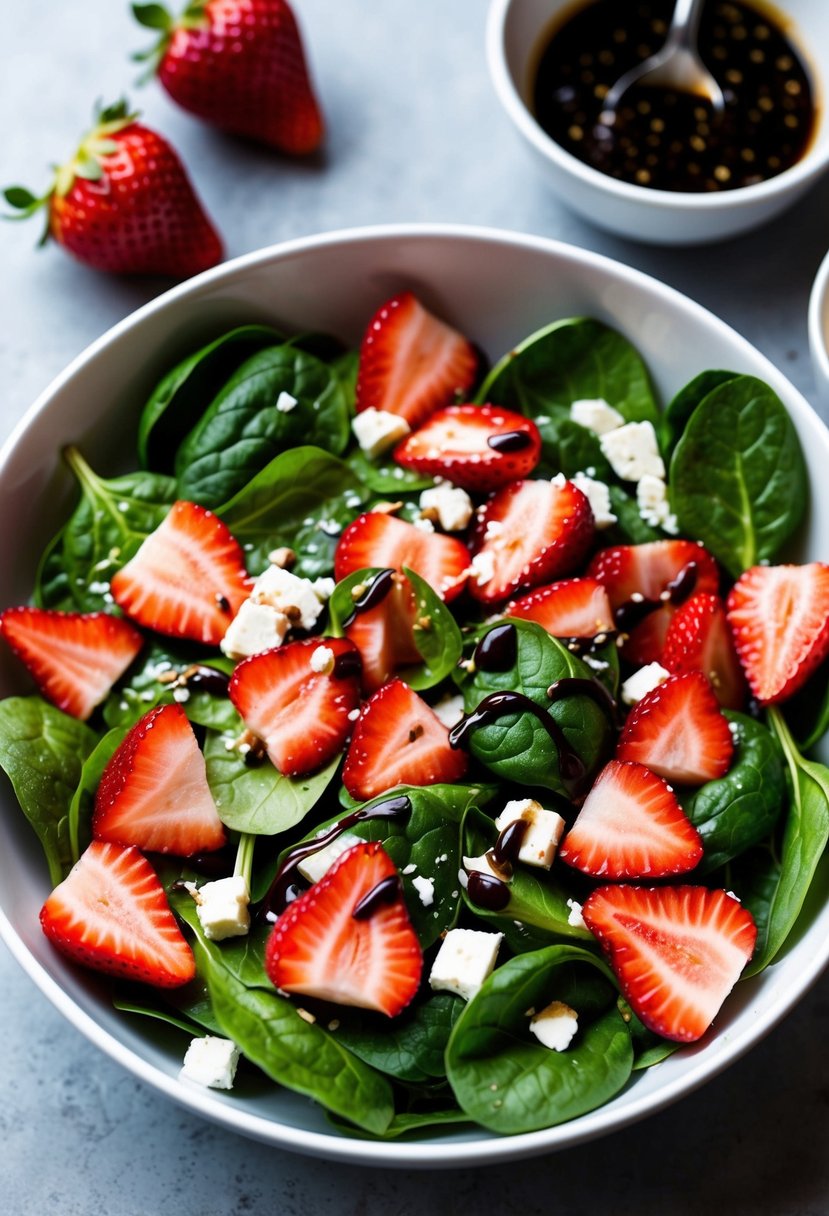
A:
415, 134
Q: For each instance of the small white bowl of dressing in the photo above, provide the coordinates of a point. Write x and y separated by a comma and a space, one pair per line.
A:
518, 32
819, 331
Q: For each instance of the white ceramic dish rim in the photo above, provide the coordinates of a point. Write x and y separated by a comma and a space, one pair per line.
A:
804, 171
817, 325
489, 1149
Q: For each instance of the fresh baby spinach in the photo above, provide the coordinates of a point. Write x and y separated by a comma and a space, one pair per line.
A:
807, 713
383, 476
738, 482
630, 528
569, 448
83, 799
680, 408
148, 683
412, 1047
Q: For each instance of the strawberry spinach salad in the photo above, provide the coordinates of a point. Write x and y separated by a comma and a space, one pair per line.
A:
435, 738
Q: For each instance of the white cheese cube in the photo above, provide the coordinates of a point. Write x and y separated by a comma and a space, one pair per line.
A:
316, 865
542, 834
596, 415
633, 452
465, 959
449, 710
452, 505
652, 500
255, 627
222, 907
285, 402
322, 660
555, 1026
574, 916
423, 524
295, 597
323, 588
377, 430
642, 682
211, 1061
598, 495
483, 865
425, 888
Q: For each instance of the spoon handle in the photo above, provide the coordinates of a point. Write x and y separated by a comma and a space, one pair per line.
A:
685, 21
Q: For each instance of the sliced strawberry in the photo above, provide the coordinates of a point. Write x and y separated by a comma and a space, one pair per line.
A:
298, 699
384, 634
153, 792
698, 639
676, 951
631, 826
398, 740
378, 539
349, 939
188, 578
111, 913
779, 617
646, 583
528, 533
677, 730
73, 658
411, 363
571, 608
478, 447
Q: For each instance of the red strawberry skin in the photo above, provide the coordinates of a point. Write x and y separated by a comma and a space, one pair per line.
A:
478, 447
243, 69
378, 539
321, 946
110, 913
677, 731
399, 741
411, 362
188, 578
698, 639
779, 618
153, 792
570, 608
302, 715
141, 217
384, 635
74, 658
676, 951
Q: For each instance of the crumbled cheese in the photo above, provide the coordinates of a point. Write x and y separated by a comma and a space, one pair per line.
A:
482, 569
483, 865
377, 430
423, 524
285, 402
559, 481
596, 414
654, 508
425, 888
598, 495
315, 865
642, 682
633, 452
451, 505
574, 916
542, 835
449, 710
293, 596
211, 1061
465, 959
222, 907
555, 1026
322, 660
255, 627
323, 588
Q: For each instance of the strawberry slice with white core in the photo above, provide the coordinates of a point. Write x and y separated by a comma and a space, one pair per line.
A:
631, 826
349, 938
678, 731
188, 578
477, 447
110, 913
528, 533
74, 658
779, 618
676, 951
384, 634
378, 539
299, 699
412, 363
646, 583
698, 639
398, 740
153, 792
570, 608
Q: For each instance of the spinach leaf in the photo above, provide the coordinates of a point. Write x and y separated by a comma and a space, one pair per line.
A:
303, 499
42, 751
147, 685
754, 876
407, 1121
516, 745
568, 447
737, 478
630, 528
507, 1081
807, 712
260, 800
181, 397
242, 430
740, 809
681, 407
568, 361
804, 840
83, 799
383, 476
648, 1048
106, 529
412, 1046
156, 1013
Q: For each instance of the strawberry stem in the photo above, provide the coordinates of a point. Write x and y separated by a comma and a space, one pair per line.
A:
244, 857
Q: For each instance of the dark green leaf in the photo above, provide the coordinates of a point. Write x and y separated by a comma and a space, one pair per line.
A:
20, 198
153, 16
83, 799
383, 476
156, 1013
412, 1046
148, 683
630, 528
569, 448
807, 713
681, 407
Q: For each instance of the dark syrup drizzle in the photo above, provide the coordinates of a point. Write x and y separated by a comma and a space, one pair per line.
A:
487, 891
374, 594
510, 441
386, 892
208, 679
498, 650
678, 590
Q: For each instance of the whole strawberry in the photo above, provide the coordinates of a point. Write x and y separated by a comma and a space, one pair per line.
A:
239, 65
124, 203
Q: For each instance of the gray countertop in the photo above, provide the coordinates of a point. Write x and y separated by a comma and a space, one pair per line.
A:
415, 133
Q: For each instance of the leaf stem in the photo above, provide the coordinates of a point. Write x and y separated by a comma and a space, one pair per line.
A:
244, 857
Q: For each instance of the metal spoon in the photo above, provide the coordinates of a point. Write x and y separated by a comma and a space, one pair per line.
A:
677, 65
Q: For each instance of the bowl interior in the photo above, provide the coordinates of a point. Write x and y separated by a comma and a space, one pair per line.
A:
333, 283
819, 329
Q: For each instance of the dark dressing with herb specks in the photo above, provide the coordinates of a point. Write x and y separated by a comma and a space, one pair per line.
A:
630, 614
374, 594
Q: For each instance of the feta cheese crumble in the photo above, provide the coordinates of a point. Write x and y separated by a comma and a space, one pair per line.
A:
285, 402
633, 452
222, 907
574, 916
596, 414
450, 504
465, 959
377, 430
482, 569
279, 601
652, 501
449, 710
211, 1061
555, 1026
425, 888
316, 865
643, 681
598, 495
542, 835
322, 660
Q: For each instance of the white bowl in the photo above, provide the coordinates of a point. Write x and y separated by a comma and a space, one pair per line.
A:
819, 330
515, 33
333, 283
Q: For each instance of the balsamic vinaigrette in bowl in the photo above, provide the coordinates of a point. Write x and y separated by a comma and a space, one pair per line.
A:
660, 137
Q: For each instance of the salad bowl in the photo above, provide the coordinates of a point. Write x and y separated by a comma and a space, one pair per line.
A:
496, 287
